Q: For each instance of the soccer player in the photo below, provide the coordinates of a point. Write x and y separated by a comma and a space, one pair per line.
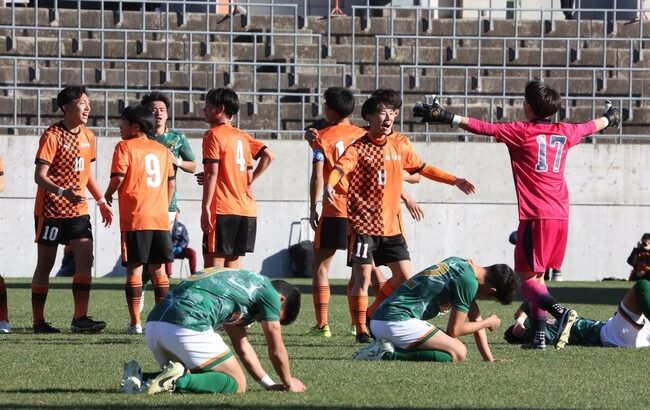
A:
142, 171
331, 226
63, 161
628, 327
5, 327
538, 150
181, 336
374, 165
174, 140
228, 209
400, 321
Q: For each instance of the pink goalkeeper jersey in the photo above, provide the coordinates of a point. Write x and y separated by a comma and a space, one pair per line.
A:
538, 151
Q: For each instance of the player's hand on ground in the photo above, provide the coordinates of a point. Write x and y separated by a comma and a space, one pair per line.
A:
414, 209
107, 213
613, 116
311, 135
199, 178
493, 322
433, 113
313, 219
71, 195
206, 222
465, 186
328, 194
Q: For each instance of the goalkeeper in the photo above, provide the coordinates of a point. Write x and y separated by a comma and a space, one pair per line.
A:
538, 148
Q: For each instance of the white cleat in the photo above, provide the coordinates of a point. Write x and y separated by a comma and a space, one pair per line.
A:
134, 330
131, 378
568, 319
375, 350
166, 380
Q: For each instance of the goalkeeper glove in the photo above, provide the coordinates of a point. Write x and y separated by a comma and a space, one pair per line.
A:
613, 115
434, 113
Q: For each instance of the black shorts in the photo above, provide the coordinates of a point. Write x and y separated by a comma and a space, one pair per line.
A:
147, 247
232, 235
55, 231
382, 250
331, 233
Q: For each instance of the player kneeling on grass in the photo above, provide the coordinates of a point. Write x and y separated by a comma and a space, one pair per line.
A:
180, 334
400, 322
629, 326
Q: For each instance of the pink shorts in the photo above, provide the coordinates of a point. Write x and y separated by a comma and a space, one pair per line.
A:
541, 244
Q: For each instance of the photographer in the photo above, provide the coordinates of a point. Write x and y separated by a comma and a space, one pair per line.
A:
639, 259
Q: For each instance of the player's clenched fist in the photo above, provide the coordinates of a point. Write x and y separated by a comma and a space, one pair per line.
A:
433, 113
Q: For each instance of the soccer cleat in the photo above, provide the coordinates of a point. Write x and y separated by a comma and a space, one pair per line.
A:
534, 345
566, 323
374, 351
320, 331
45, 327
352, 330
5, 327
134, 330
131, 378
85, 324
363, 338
166, 380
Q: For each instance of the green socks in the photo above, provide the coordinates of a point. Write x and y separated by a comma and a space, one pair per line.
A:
208, 382
643, 296
418, 356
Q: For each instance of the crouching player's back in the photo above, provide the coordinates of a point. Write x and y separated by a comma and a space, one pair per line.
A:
400, 322
181, 334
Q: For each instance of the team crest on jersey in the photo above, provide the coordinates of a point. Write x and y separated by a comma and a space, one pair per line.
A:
84, 145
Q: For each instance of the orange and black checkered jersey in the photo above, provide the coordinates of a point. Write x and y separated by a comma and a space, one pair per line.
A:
147, 166
332, 142
69, 157
374, 171
234, 151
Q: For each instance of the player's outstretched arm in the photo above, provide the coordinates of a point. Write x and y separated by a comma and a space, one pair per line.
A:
266, 158
457, 326
113, 185
210, 173
279, 356
247, 355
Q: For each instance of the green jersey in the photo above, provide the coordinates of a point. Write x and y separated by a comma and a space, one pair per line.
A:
450, 282
177, 143
217, 296
585, 332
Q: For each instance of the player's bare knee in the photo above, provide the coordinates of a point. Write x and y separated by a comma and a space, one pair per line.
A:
459, 353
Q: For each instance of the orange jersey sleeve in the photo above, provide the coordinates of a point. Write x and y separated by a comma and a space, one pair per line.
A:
146, 166
256, 146
68, 157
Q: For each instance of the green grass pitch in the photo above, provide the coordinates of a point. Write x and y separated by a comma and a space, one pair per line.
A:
83, 371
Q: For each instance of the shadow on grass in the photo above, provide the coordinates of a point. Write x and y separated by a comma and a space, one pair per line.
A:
54, 340
211, 406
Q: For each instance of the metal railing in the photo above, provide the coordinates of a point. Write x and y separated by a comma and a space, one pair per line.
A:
149, 41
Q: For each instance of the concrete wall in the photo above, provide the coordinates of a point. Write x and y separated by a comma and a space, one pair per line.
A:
609, 211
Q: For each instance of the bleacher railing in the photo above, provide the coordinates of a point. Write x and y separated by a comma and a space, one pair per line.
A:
282, 44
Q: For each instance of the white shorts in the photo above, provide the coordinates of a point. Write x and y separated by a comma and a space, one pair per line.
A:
619, 332
407, 334
196, 350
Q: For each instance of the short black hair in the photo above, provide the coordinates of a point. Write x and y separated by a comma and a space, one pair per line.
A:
291, 300
155, 96
542, 98
340, 100
645, 237
503, 279
389, 97
68, 94
370, 107
226, 97
141, 115
510, 337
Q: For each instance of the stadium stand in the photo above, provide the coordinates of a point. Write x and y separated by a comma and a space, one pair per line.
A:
280, 62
